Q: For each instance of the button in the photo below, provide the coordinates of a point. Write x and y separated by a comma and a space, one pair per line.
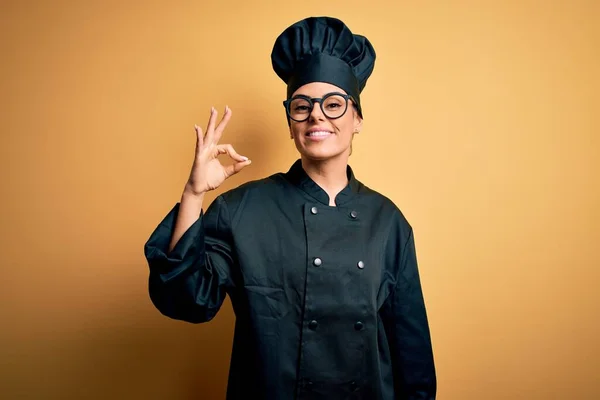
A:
361, 264
353, 214
317, 261
359, 326
314, 210
313, 324
353, 385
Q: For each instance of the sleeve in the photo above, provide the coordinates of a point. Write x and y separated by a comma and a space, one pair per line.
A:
191, 282
406, 323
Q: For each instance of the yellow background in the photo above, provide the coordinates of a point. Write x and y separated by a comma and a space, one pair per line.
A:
481, 123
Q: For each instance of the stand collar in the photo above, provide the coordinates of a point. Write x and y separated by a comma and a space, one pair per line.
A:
299, 178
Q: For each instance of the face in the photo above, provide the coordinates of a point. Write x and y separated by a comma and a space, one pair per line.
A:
320, 138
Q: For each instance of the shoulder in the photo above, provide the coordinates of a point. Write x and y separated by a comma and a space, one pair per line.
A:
383, 205
253, 190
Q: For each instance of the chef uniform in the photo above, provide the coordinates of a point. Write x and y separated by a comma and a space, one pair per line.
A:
327, 299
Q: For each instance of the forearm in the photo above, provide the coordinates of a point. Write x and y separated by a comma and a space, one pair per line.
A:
189, 212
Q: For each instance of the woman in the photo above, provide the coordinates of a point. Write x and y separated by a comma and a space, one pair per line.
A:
321, 270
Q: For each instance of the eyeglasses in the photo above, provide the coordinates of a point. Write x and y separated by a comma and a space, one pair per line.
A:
333, 105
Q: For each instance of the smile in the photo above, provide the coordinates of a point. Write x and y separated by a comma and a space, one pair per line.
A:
318, 133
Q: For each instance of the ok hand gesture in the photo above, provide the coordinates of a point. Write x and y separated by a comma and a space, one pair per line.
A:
207, 171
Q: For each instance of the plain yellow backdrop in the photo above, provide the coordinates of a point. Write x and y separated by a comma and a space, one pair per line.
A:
481, 123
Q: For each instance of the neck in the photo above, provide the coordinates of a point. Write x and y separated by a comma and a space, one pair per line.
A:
329, 174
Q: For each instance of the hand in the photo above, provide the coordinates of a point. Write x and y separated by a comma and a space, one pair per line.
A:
207, 172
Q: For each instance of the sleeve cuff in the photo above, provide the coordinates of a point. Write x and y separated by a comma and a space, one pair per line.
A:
188, 249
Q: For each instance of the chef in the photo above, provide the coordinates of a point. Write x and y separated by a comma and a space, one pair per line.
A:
320, 269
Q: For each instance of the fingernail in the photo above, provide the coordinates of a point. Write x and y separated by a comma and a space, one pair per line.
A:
212, 110
244, 158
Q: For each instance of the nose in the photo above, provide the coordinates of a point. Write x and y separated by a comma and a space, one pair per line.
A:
316, 113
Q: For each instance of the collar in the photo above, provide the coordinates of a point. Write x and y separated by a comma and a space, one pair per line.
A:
299, 178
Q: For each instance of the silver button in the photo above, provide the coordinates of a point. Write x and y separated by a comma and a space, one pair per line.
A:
317, 261
314, 210
361, 264
353, 214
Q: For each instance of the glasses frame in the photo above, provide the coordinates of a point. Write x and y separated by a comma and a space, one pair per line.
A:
312, 101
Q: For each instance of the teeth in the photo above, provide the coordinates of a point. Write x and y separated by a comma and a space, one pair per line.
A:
319, 133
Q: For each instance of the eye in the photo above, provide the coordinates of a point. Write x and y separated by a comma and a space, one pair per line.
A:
300, 106
334, 103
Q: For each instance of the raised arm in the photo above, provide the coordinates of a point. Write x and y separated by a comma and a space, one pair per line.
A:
207, 172
189, 253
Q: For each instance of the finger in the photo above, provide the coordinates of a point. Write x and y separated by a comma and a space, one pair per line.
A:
221, 127
210, 129
237, 167
227, 148
199, 136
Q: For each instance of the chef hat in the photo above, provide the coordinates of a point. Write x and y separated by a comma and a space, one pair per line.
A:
323, 49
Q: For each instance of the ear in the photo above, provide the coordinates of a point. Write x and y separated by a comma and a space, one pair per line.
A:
358, 122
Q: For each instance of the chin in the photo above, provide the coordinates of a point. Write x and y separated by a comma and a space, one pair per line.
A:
322, 154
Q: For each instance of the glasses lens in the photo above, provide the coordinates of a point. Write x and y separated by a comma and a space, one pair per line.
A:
334, 106
299, 109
